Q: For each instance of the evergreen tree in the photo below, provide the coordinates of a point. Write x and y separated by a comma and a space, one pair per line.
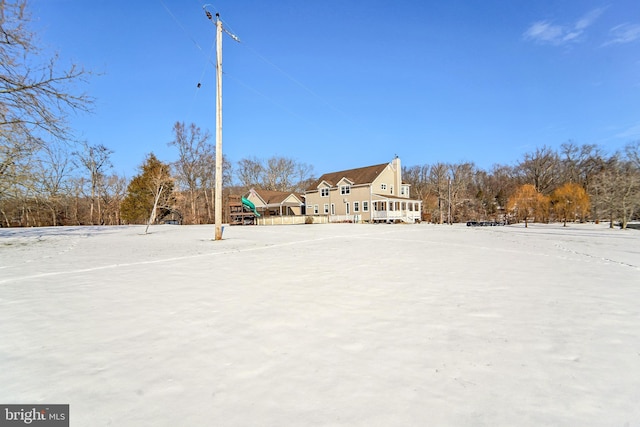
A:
153, 186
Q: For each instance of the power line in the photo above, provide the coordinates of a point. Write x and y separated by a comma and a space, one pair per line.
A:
180, 25
228, 29
274, 102
297, 82
232, 34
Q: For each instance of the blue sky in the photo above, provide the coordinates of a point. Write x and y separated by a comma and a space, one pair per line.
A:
348, 83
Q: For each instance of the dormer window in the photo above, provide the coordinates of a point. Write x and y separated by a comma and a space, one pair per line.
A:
324, 192
345, 189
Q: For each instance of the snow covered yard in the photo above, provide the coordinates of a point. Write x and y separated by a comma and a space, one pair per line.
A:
341, 324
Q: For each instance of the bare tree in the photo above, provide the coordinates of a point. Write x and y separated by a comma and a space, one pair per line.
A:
112, 195
96, 160
491, 191
210, 183
304, 177
615, 191
439, 186
276, 173
632, 153
578, 164
540, 169
16, 158
628, 191
503, 183
250, 172
75, 200
34, 96
196, 155
570, 162
279, 174
17, 152
417, 177
52, 176
631, 170
459, 193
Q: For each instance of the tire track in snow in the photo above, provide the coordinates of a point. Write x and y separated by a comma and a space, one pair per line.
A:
595, 257
527, 248
170, 259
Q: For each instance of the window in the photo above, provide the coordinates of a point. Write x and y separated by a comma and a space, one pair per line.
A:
404, 190
365, 206
346, 208
324, 192
333, 209
356, 206
391, 189
326, 208
345, 189
383, 186
315, 209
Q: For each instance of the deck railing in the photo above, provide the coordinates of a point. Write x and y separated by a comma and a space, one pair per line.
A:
402, 215
391, 216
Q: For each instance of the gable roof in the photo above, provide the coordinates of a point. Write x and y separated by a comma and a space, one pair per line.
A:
365, 175
270, 197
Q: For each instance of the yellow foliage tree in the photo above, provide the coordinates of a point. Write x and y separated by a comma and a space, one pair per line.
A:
570, 201
526, 203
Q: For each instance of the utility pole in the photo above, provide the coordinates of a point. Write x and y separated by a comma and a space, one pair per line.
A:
218, 176
449, 215
218, 195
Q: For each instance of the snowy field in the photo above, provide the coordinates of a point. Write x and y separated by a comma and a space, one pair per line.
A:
324, 325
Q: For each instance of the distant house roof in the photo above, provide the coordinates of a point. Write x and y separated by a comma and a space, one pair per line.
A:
270, 197
357, 176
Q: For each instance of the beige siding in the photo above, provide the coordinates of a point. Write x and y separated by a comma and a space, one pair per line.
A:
359, 194
313, 198
255, 200
387, 179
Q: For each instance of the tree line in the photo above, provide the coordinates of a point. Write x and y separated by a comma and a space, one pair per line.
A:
66, 183
575, 182
47, 177
58, 187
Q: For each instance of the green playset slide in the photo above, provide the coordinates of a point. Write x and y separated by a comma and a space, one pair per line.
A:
250, 206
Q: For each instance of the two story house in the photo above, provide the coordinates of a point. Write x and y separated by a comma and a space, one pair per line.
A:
369, 194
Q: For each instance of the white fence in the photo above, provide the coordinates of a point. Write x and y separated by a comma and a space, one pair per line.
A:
290, 219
